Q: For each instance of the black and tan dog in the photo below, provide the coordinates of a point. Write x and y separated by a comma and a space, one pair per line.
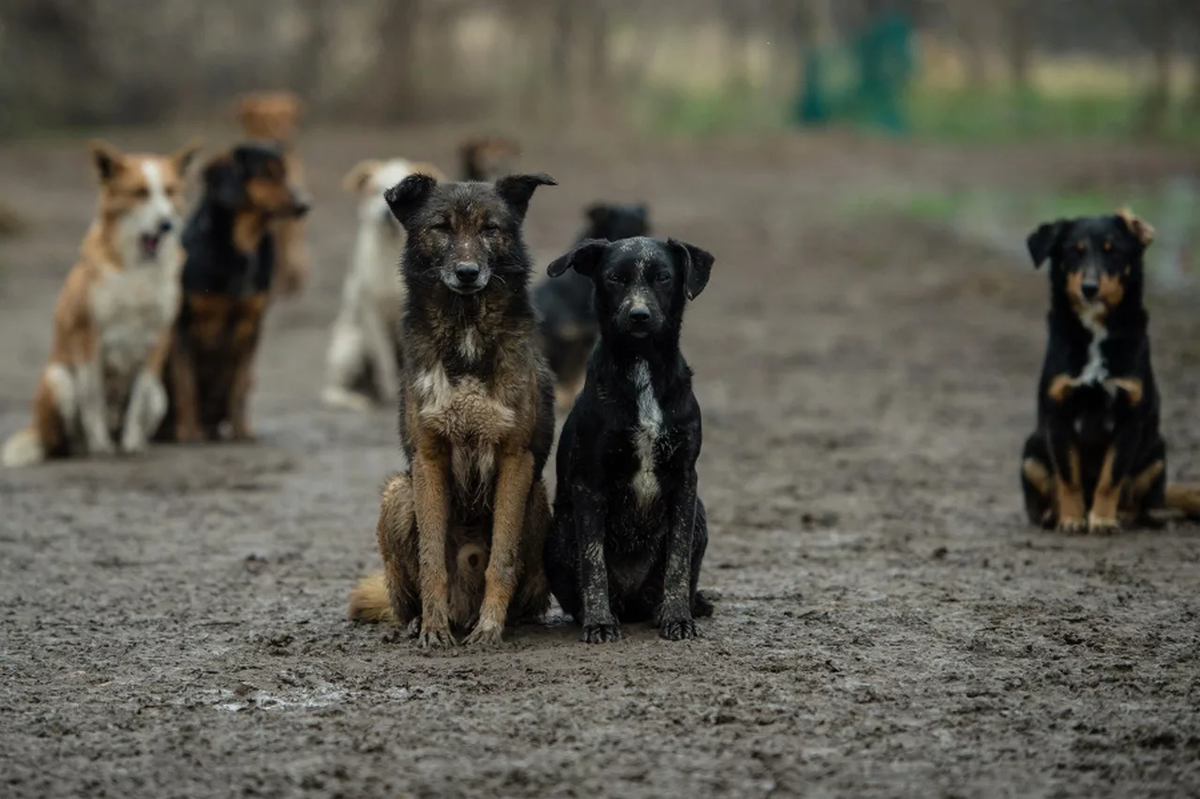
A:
461, 532
567, 319
226, 285
1097, 458
630, 531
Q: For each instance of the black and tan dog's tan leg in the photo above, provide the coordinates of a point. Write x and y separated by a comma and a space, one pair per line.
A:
1070, 505
1037, 482
1114, 472
675, 622
430, 472
514, 478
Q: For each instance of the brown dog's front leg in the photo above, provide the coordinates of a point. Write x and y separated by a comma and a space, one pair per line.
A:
430, 477
675, 622
239, 394
513, 481
187, 403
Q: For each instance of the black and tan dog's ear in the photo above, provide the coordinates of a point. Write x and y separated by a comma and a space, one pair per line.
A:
408, 196
106, 157
584, 257
1043, 242
185, 156
695, 263
517, 189
224, 181
1140, 229
359, 175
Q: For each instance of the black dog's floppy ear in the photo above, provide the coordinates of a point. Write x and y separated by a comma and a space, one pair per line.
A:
407, 196
584, 257
517, 189
224, 181
695, 263
1043, 241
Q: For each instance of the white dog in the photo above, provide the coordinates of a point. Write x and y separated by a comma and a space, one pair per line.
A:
364, 355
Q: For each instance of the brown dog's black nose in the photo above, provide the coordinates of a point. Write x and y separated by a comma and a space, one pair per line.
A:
1090, 290
466, 273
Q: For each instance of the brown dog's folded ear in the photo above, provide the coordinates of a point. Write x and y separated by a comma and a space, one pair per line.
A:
224, 181
356, 179
106, 157
517, 189
584, 257
1043, 242
408, 196
1140, 229
696, 264
184, 156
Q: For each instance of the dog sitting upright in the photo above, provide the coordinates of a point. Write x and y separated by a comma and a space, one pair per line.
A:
226, 286
629, 530
461, 533
274, 116
363, 350
567, 320
113, 317
1096, 457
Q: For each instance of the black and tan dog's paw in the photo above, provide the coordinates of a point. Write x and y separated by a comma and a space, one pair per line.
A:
1072, 524
601, 633
678, 630
1103, 525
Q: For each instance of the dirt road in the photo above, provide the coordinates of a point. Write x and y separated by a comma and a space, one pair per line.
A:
174, 626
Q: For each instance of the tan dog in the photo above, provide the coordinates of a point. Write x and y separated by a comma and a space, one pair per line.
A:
113, 317
275, 116
363, 353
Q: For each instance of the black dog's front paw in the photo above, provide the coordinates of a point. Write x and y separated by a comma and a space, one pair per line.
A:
678, 629
601, 633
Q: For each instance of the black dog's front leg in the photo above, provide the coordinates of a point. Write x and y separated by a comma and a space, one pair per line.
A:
675, 622
599, 624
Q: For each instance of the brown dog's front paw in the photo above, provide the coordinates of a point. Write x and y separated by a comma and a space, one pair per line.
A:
486, 634
678, 629
1072, 524
1103, 524
435, 638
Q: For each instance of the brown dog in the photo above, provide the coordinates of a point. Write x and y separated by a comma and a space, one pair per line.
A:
102, 387
486, 158
461, 534
226, 286
274, 117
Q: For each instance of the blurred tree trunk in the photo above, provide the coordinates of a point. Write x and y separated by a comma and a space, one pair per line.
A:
1155, 21
310, 55
1019, 25
397, 65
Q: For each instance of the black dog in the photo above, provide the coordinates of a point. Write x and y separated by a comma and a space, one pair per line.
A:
226, 286
567, 319
1096, 457
630, 531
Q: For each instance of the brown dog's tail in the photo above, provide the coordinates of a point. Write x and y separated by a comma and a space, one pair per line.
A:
369, 600
1184, 498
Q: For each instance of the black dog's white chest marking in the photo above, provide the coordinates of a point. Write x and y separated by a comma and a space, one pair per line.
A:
1095, 371
645, 435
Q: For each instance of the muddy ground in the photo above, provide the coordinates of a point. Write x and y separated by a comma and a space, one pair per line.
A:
174, 626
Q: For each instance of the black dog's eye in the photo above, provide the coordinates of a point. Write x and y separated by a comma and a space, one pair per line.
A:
663, 277
614, 278
441, 227
491, 227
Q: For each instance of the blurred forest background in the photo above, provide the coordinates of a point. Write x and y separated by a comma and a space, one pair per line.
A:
975, 69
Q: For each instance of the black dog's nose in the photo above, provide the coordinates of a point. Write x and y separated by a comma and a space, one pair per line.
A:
1090, 290
639, 315
165, 226
466, 273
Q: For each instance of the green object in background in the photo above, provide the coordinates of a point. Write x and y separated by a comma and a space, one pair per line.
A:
863, 83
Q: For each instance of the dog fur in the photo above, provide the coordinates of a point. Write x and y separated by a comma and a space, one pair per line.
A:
629, 529
486, 158
274, 116
102, 388
476, 420
567, 321
1097, 457
364, 352
226, 289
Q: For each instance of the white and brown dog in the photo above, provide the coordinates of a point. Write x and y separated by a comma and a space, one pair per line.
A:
363, 354
102, 388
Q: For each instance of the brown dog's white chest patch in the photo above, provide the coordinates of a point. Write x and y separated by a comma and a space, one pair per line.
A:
463, 410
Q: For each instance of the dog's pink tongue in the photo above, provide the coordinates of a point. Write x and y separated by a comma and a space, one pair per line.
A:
149, 244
